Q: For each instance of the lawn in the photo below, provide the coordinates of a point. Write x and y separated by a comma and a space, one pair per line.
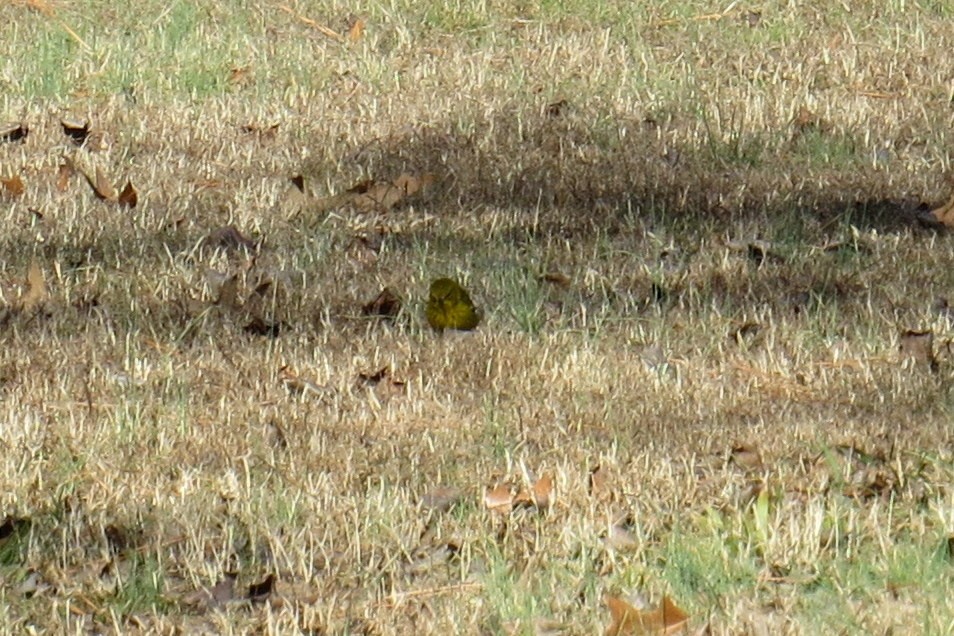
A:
713, 372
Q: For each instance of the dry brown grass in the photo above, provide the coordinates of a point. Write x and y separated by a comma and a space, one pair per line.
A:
722, 343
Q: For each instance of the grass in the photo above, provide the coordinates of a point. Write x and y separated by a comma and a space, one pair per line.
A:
731, 235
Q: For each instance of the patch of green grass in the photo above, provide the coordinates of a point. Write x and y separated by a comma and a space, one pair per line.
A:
707, 567
139, 588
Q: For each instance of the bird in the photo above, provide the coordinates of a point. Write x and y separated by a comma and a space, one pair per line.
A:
449, 307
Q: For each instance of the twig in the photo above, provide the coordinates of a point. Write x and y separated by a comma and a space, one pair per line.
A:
398, 597
334, 35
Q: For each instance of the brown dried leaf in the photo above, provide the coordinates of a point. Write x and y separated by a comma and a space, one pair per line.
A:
499, 499
36, 292
945, 213
543, 491
128, 196
13, 186
76, 129
13, 132
667, 619
258, 592
625, 617
381, 196
356, 30
523, 499
102, 188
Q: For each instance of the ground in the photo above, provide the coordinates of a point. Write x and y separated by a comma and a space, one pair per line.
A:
713, 366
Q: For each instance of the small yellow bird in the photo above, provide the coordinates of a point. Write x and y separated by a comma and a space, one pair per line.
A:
449, 307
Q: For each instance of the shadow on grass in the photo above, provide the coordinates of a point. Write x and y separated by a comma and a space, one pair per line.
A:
573, 174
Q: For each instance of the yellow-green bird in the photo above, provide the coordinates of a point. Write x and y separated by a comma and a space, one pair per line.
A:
449, 306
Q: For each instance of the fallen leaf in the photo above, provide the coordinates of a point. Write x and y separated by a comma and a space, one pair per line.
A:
626, 619
385, 305
102, 188
128, 196
13, 185
499, 499
258, 592
356, 30
36, 291
382, 196
945, 213
13, 132
543, 491
76, 129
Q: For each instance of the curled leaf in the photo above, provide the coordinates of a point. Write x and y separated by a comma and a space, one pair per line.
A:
128, 197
